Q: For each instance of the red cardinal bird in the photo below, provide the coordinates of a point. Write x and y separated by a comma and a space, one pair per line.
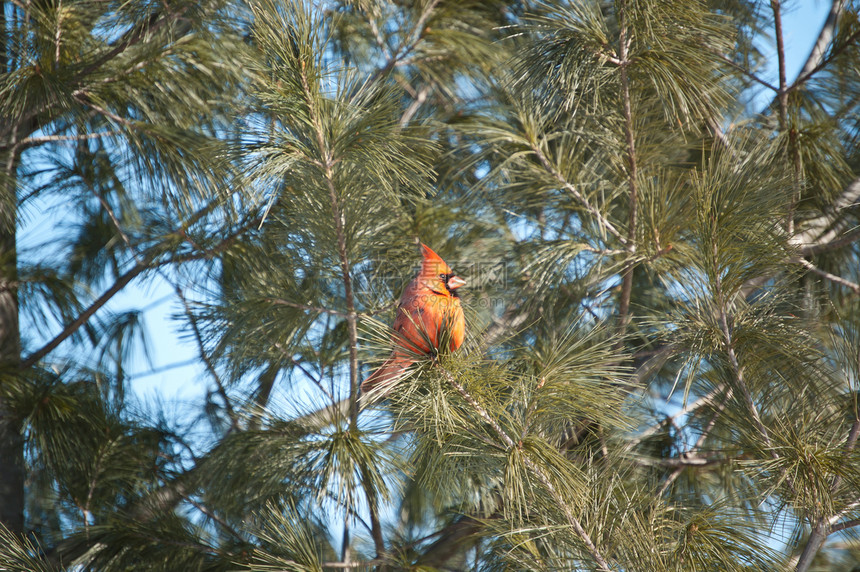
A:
429, 313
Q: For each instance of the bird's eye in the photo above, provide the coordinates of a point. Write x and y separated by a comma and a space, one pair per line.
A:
443, 277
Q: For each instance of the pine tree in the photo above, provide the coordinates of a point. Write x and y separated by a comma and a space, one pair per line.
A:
663, 320
108, 113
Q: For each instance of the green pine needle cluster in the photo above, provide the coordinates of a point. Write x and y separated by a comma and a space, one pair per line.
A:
660, 242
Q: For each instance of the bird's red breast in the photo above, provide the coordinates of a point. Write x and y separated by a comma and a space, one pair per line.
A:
429, 316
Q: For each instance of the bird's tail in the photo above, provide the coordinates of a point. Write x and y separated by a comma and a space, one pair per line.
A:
387, 374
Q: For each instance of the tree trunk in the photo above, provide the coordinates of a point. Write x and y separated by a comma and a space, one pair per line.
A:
11, 439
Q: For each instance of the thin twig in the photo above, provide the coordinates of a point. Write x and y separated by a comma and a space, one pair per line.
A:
282, 302
215, 518
419, 100
689, 408
147, 264
198, 337
403, 50
832, 277
745, 71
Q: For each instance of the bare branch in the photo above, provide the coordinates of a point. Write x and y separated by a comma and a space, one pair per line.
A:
31, 141
419, 100
75, 324
844, 525
825, 37
819, 232
832, 277
746, 72
632, 174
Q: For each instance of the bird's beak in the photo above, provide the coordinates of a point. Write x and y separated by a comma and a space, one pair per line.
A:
455, 282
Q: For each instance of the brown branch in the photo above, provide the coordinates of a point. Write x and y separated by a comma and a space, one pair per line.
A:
745, 71
845, 524
782, 93
632, 174
122, 282
813, 545
782, 100
75, 324
832, 277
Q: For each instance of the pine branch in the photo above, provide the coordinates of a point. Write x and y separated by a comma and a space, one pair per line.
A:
150, 262
692, 455
536, 469
824, 527
451, 540
738, 372
84, 316
737, 369
405, 49
602, 221
144, 30
328, 162
282, 302
703, 401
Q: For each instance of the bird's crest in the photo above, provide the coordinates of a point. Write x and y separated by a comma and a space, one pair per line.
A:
433, 263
